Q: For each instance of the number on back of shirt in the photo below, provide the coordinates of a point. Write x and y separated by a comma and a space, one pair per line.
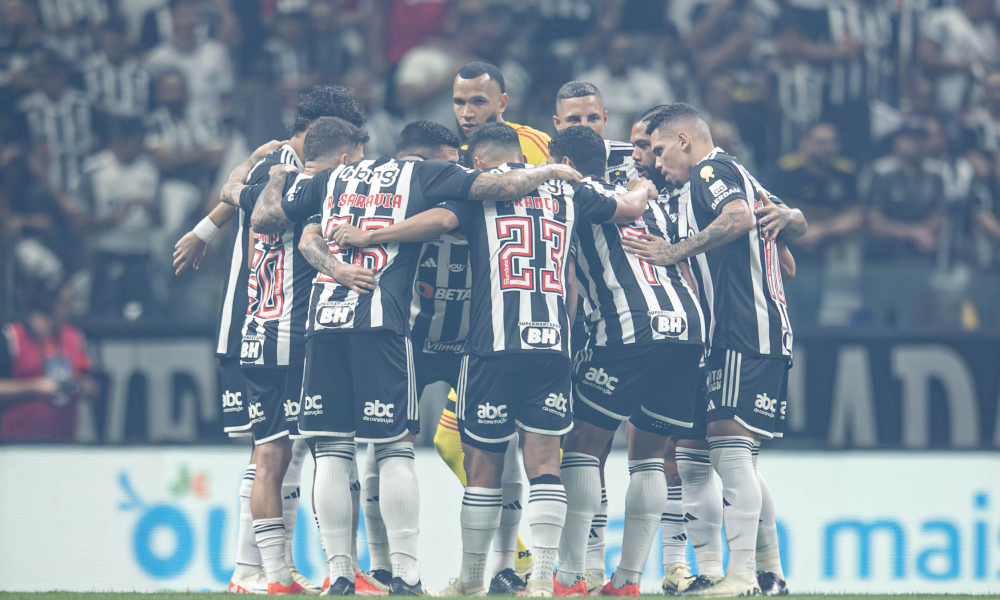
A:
525, 240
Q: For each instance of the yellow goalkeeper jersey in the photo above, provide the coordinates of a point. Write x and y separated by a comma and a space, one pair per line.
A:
534, 144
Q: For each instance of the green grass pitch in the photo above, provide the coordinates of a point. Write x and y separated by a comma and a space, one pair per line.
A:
177, 596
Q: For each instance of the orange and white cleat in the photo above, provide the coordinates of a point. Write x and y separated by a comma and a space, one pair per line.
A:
366, 585
252, 584
577, 590
626, 591
326, 585
276, 589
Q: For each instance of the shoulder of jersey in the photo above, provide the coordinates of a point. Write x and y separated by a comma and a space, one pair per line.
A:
613, 145
604, 187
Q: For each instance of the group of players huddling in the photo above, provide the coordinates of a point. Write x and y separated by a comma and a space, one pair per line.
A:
560, 287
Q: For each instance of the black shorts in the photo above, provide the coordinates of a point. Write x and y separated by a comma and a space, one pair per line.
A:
653, 386
779, 427
577, 337
235, 421
746, 389
700, 417
432, 367
530, 390
359, 384
273, 402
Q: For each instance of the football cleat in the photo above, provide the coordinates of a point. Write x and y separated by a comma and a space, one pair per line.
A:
595, 581
398, 587
383, 576
366, 585
577, 590
342, 587
771, 585
538, 588
628, 590
277, 589
253, 584
677, 578
507, 583
701, 582
455, 589
730, 587
311, 588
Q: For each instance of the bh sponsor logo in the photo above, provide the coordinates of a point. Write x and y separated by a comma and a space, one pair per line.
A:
378, 412
540, 334
556, 404
232, 401
251, 348
599, 380
492, 415
334, 316
668, 324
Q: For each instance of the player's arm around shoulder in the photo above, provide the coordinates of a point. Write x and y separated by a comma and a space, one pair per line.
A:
421, 227
632, 203
316, 251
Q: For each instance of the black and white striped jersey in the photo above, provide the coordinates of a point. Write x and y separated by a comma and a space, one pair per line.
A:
519, 255
371, 194
750, 315
621, 166
234, 301
279, 285
439, 313
121, 90
64, 127
631, 301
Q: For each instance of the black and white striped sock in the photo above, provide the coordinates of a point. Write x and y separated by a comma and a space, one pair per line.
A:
333, 505
546, 517
480, 516
732, 458
672, 528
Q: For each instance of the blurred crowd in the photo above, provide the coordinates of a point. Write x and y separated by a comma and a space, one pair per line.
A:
880, 119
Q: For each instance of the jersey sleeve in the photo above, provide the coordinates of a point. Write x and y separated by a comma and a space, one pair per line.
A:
249, 195
305, 203
593, 206
714, 185
441, 181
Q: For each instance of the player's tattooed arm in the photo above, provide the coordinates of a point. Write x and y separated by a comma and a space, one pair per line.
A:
316, 250
517, 182
422, 227
230, 193
632, 203
268, 216
734, 221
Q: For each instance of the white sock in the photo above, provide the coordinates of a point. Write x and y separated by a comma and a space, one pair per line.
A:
505, 541
270, 534
290, 494
356, 512
546, 517
333, 505
319, 530
581, 476
595, 541
480, 518
768, 555
248, 559
399, 498
732, 459
378, 543
644, 502
672, 528
702, 509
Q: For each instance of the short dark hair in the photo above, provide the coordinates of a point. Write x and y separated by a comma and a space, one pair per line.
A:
671, 114
480, 68
583, 146
426, 135
499, 136
328, 101
331, 135
578, 89
649, 113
